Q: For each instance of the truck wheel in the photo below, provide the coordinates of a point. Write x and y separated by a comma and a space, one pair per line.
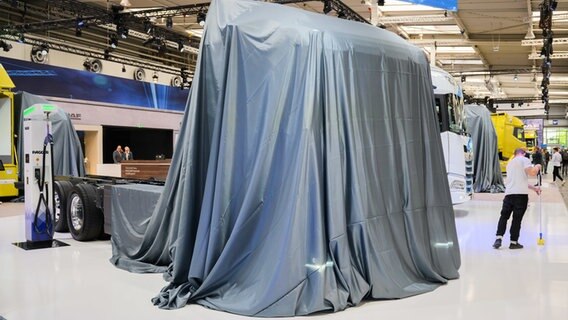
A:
61, 190
84, 219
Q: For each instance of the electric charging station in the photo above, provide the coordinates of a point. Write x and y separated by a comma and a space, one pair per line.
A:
38, 176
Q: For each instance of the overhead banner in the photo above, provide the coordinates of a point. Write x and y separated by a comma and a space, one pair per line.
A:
444, 4
52, 81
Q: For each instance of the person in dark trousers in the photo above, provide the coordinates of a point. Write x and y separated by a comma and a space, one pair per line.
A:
564, 154
516, 197
537, 156
556, 164
117, 154
546, 158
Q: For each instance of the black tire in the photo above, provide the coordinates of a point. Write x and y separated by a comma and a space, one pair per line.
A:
61, 190
84, 219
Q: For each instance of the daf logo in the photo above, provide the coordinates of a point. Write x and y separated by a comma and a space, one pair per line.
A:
39, 152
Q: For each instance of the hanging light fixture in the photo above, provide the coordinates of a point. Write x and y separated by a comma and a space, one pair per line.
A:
327, 6
201, 18
155, 77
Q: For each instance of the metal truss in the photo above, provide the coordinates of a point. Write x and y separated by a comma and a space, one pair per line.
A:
336, 5
415, 19
90, 53
539, 42
93, 15
185, 10
563, 55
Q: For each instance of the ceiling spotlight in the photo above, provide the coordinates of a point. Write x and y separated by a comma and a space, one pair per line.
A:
512, 106
5, 46
341, 15
148, 27
44, 49
181, 47
113, 41
93, 65
80, 22
515, 77
155, 77
162, 47
122, 31
381, 2
21, 38
201, 18
106, 54
169, 22
463, 78
327, 7
87, 65
123, 68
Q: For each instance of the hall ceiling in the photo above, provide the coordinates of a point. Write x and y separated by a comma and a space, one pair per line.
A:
482, 41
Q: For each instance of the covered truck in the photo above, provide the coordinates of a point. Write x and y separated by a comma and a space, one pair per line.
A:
308, 174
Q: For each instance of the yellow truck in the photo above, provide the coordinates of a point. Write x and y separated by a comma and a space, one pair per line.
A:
510, 136
8, 163
531, 137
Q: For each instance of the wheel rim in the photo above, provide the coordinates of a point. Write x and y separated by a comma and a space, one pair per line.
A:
57, 203
76, 212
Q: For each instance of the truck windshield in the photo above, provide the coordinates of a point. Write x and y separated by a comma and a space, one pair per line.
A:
449, 109
519, 133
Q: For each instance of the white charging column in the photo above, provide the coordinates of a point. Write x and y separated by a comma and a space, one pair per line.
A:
38, 175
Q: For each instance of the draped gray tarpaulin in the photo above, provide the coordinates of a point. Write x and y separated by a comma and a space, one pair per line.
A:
67, 152
487, 172
308, 173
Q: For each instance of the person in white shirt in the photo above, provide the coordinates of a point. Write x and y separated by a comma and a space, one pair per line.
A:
556, 164
516, 197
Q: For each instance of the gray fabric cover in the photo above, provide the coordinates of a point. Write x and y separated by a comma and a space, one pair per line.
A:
67, 152
308, 173
487, 172
132, 206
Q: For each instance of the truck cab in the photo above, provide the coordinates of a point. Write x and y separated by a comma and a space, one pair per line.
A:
531, 137
510, 136
456, 143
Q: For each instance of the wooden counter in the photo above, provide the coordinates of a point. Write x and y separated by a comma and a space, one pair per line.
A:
145, 169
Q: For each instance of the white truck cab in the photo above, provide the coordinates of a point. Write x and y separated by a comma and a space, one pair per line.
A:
456, 143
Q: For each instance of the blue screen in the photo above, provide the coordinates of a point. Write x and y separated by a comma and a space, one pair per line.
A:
52, 81
444, 4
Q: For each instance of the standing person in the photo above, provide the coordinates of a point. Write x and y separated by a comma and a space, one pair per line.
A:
556, 164
516, 197
564, 154
117, 154
546, 158
127, 155
537, 156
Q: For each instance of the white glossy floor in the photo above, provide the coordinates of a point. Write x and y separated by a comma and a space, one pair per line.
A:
78, 282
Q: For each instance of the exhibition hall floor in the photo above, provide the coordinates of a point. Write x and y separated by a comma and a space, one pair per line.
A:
78, 282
